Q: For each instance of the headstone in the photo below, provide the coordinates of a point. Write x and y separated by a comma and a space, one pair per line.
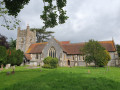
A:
1, 67
6, 67
13, 67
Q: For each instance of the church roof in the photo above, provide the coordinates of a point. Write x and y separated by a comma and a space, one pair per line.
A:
69, 48
74, 48
36, 48
28, 56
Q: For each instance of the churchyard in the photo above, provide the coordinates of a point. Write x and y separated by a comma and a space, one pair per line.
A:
61, 78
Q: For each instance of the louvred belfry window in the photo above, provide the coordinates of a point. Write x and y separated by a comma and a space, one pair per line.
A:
52, 52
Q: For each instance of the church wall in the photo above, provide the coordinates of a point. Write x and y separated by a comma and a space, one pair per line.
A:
52, 43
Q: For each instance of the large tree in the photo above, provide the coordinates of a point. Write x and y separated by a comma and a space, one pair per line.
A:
94, 52
53, 13
42, 35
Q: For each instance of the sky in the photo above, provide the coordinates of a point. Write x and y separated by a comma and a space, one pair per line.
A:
88, 19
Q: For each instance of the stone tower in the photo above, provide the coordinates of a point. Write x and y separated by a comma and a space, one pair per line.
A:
25, 38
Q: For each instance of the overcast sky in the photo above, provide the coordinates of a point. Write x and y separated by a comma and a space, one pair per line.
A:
88, 19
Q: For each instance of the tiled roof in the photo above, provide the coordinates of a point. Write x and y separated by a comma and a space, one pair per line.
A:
28, 56
75, 48
65, 42
69, 48
36, 48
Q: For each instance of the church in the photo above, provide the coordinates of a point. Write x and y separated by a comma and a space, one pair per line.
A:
67, 53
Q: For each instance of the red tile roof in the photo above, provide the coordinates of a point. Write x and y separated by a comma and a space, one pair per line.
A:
28, 56
65, 42
69, 48
75, 48
36, 48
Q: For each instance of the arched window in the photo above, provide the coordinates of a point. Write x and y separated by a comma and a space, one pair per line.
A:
52, 52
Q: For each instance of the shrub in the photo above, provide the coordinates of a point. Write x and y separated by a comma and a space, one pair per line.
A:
47, 60
54, 62
50, 62
46, 66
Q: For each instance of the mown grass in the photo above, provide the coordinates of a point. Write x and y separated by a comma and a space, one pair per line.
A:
62, 78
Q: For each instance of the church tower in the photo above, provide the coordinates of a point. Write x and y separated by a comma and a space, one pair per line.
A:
25, 38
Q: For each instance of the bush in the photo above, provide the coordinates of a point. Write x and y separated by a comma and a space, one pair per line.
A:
54, 62
50, 62
46, 66
47, 60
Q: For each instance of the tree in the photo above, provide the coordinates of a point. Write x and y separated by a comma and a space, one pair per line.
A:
3, 41
3, 55
8, 21
118, 49
42, 35
94, 52
12, 43
15, 57
53, 13
19, 56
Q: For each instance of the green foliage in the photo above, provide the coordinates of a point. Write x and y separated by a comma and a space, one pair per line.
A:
88, 59
16, 57
94, 52
12, 44
46, 66
47, 60
53, 13
3, 55
54, 62
19, 56
10, 22
42, 35
118, 49
50, 62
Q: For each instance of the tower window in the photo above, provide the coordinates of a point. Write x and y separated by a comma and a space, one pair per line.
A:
52, 52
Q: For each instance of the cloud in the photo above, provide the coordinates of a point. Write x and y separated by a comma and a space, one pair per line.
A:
88, 19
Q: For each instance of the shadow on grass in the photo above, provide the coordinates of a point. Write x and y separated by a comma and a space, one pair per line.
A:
55, 80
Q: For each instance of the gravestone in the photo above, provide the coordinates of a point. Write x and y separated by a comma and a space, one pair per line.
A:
6, 67
1, 67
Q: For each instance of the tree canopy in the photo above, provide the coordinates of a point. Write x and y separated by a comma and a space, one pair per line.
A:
95, 53
53, 13
42, 35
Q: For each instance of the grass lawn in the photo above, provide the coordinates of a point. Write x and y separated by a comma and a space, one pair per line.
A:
62, 78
